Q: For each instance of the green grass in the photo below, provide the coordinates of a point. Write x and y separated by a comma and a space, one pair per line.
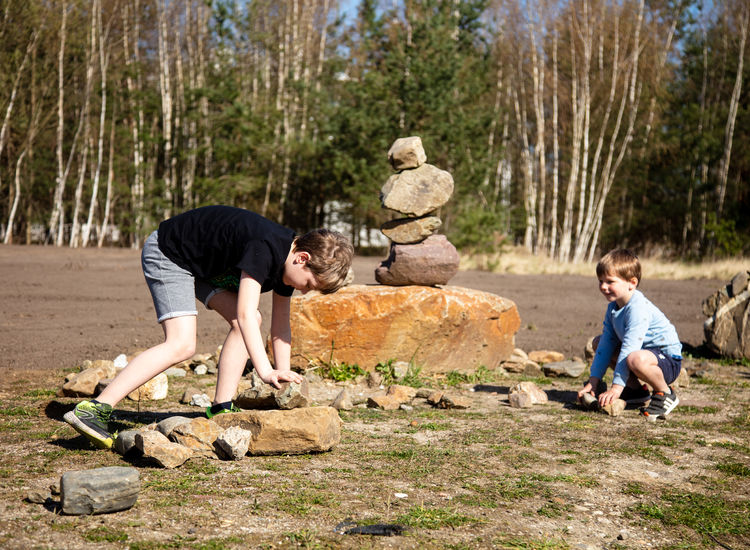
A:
422, 517
40, 393
706, 514
734, 469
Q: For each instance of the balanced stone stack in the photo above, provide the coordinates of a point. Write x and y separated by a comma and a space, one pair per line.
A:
417, 191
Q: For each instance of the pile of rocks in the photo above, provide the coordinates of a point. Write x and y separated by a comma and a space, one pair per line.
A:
417, 255
727, 329
400, 397
232, 436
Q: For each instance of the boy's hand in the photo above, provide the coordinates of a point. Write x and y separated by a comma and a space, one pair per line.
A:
586, 389
275, 377
610, 395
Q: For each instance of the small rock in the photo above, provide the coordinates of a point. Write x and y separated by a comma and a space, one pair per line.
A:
156, 446
536, 395
532, 369
570, 368
121, 361
37, 497
187, 396
405, 407
99, 491
153, 390
404, 394
520, 401
384, 402
589, 402
435, 397
453, 402
546, 356
168, 425
198, 435
175, 372
125, 442
407, 153
200, 370
200, 400
343, 401
424, 393
614, 408
233, 442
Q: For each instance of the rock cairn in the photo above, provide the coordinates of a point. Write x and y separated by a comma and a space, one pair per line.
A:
727, 329
417, 191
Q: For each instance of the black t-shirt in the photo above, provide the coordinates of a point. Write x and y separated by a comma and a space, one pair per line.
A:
216, 243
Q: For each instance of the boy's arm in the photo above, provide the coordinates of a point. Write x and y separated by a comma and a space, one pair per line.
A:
605, 349
281, 333
248, 298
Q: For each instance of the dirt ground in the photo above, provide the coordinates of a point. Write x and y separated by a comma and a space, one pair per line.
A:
60, 306
551, 477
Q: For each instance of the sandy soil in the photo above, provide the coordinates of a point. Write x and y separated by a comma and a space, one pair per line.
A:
491, 476
60, 306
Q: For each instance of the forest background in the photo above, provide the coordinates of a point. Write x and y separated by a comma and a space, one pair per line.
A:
569, 126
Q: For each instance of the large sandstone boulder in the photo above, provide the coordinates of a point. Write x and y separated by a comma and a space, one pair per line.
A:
297, 431
434, 261
417, 192
727, 329
439, 329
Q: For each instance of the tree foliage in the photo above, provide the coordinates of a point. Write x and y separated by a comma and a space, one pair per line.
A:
569, 127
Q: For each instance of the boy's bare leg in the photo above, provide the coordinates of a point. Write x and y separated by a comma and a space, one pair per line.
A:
234, 352
178, 345
644, 365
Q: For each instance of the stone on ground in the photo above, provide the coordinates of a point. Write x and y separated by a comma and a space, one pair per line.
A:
546, 356
383, 402
233, 443
83, 384
526, 394
572, 368
156, 446
614, 408
343, 401
261, 396
198, 435
153, 390
297, 431
99, 491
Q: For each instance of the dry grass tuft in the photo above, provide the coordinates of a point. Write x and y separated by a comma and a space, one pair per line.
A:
518, 260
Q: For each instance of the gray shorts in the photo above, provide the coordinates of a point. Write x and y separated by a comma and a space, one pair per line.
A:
173, 289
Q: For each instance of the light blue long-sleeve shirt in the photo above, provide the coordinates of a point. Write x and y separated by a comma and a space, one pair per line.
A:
637, 325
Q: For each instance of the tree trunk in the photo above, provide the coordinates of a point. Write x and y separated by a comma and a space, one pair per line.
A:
732, 116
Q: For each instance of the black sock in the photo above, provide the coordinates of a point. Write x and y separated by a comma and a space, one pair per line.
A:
220, 407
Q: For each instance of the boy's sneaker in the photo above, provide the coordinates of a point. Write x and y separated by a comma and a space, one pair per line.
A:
661, 405
91, 420
633, 396
232, 409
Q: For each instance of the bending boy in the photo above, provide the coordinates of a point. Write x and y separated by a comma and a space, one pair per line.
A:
225, 257
645, 342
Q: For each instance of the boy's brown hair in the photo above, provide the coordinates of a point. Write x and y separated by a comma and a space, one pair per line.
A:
620, 262
330, 257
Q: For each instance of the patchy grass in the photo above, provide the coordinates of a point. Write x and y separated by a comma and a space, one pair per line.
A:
549, 477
